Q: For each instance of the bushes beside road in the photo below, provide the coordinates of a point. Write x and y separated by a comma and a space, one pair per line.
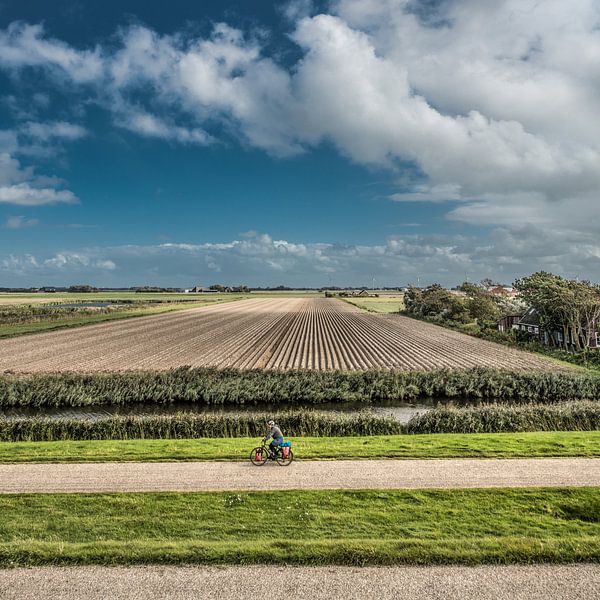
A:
236, 387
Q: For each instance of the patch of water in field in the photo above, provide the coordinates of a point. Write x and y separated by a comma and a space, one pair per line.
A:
402, 411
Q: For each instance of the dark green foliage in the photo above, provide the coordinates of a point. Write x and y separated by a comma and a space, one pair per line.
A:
499, 418
435, 303
218, 387
193, 425
569, 306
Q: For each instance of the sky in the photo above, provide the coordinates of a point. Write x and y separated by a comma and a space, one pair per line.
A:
298, 143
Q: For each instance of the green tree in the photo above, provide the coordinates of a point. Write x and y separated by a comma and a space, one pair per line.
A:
566, 305
483, 308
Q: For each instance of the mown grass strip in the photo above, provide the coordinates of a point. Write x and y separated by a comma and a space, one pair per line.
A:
504, 445
308, 527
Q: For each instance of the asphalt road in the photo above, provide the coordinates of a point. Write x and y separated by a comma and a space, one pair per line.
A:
339, 474
519, 582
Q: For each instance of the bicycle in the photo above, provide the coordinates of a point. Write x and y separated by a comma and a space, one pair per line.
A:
261, 454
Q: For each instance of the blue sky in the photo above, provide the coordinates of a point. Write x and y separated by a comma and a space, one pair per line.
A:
300, 143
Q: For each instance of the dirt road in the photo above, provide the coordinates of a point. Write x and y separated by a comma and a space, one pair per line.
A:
275, 333
339, 474
559, 582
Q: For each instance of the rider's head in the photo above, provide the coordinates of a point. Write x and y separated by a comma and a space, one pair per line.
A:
271, 423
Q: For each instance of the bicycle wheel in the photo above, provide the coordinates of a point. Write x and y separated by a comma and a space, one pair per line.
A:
284, 462
263, 456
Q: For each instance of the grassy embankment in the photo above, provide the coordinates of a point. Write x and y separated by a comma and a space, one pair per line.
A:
303, 527
429, 446
154, 306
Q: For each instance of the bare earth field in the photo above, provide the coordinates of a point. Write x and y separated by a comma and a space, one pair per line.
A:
514, 582
277, 333
304, 475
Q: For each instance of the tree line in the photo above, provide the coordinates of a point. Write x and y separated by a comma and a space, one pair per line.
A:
566, 306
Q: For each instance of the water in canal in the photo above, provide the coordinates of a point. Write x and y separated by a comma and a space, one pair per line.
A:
402, 411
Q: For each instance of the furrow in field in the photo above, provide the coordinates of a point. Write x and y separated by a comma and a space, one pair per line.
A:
342, 354
256, 352
406, 351
199, 346
66, 344
280, 352
472, 351
373, 346
225, 348
130, 343
355, 341
276, 333
444, 354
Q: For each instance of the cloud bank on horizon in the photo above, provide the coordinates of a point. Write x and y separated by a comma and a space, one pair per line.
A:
494, 105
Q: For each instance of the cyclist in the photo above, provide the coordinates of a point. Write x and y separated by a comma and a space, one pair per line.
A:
276, 435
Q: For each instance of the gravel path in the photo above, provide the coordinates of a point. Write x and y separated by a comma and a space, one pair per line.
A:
559, 582
339, 474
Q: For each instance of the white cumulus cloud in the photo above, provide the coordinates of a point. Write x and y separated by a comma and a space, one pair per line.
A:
493, 105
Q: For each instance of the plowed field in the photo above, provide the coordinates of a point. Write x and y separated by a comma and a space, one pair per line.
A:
290, 333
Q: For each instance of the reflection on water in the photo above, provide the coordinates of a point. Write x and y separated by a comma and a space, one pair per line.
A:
402, 411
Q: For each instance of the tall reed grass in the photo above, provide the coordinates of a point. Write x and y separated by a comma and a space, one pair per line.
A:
499, 418
193, 425
492, 418
230, 386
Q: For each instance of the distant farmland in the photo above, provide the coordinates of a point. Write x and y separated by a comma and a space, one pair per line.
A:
277, 333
